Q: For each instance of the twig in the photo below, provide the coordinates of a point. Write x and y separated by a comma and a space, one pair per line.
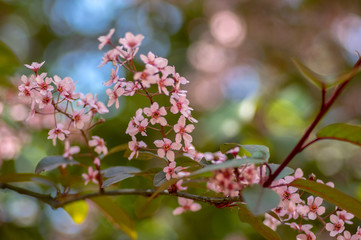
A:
55, 202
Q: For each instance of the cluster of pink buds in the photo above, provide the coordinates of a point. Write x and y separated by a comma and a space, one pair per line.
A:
58, 96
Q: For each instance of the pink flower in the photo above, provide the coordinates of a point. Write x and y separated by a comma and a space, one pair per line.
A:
105, 39
314, 207
99, 145
182, 130
186, 205
69, 151
91, 176
96, 161
130, 41
156, 113
114, 94
114, 78
147, 76
179, 186
271, 222
345, 216
134, 146
44, 84
158, 62
179, 104
163, 83
346, 236
165, 148
44, 100
80, 118
58, 132
298, 174
65, 87
172, 171
35, 66
336, 227
307, 236
215, 158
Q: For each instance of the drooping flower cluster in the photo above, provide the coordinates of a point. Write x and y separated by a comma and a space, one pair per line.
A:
58, 96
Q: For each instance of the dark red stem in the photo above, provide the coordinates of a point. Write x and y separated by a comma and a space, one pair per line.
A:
300, 145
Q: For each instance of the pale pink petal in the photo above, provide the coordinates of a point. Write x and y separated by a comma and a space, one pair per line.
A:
195, 207
178, 210
170, 155
159, 143
161, 153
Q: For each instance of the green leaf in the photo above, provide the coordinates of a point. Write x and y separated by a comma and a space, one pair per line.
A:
52, 162
159, 179
116, 179
121, 147
21, 177
117, 174
285, 172
310, 75
77, 210
342, 132
228, 164
246, 216
145, 208
259, 199
325, 81
330, 194
116, 215
258, 151
115, 171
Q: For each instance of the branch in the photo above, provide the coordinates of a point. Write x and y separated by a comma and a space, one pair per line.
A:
323, 110
63, 200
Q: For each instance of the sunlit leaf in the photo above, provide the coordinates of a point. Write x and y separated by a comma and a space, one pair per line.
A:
116, 215
246, 216
145, 208
342, 132
285, 172
259, 199
52, 162
330, 194
159, 179
77, 210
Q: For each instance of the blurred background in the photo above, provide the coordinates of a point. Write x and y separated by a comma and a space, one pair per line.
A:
243, 87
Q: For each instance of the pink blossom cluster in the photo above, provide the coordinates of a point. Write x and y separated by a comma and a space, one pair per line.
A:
298, 213
73, 112
231, 181
157, 78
